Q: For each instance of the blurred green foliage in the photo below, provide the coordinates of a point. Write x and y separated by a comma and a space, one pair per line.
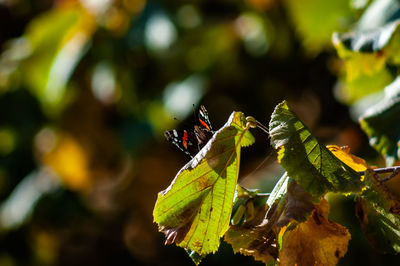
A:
88, 87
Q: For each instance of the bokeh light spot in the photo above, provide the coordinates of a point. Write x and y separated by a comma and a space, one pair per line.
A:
179, 97
189, 17
7, 141
160, 33
251, 29
104, 83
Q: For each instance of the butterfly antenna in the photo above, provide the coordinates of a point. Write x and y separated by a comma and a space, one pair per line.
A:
194, 112
181, 122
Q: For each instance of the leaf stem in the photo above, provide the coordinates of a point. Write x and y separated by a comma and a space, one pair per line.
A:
394, 170
262, 127
263, 194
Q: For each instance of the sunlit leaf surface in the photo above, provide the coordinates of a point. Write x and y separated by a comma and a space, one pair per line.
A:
194, 211
311, 164
343, 153
379, 213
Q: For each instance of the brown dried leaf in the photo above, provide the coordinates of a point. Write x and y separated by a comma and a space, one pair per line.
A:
259, 237
318, 241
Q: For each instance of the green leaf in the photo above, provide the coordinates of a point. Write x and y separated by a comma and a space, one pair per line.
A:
47, 54
370, 52
373, 32
365, 73
259, 237
58, 39
244, 204
378, 211
378, 14
371, 55
316, 20
367, 41
379, 123
194, 211
196, 257
308, 162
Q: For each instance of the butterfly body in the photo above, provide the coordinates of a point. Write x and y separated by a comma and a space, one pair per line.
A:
191, 142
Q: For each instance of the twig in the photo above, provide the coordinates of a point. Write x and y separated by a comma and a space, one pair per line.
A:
394, 170
262, 127
263, 194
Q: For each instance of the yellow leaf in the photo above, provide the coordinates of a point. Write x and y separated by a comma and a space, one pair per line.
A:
364, 64
343, 154
318, 241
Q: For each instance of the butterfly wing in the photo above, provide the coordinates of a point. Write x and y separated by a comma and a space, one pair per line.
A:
190, 142
203, 118
185, 140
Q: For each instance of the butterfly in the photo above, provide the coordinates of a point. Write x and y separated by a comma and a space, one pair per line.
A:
191, 142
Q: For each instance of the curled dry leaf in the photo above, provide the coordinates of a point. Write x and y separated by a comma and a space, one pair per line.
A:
318, 241
259, 237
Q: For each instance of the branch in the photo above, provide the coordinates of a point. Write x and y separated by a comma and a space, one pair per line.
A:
262, 127
263, 194
395, 170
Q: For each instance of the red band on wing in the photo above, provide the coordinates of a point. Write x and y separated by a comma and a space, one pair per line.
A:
185, 139
204, 124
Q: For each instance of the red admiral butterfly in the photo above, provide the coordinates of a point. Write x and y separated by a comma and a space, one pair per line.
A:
191, 142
